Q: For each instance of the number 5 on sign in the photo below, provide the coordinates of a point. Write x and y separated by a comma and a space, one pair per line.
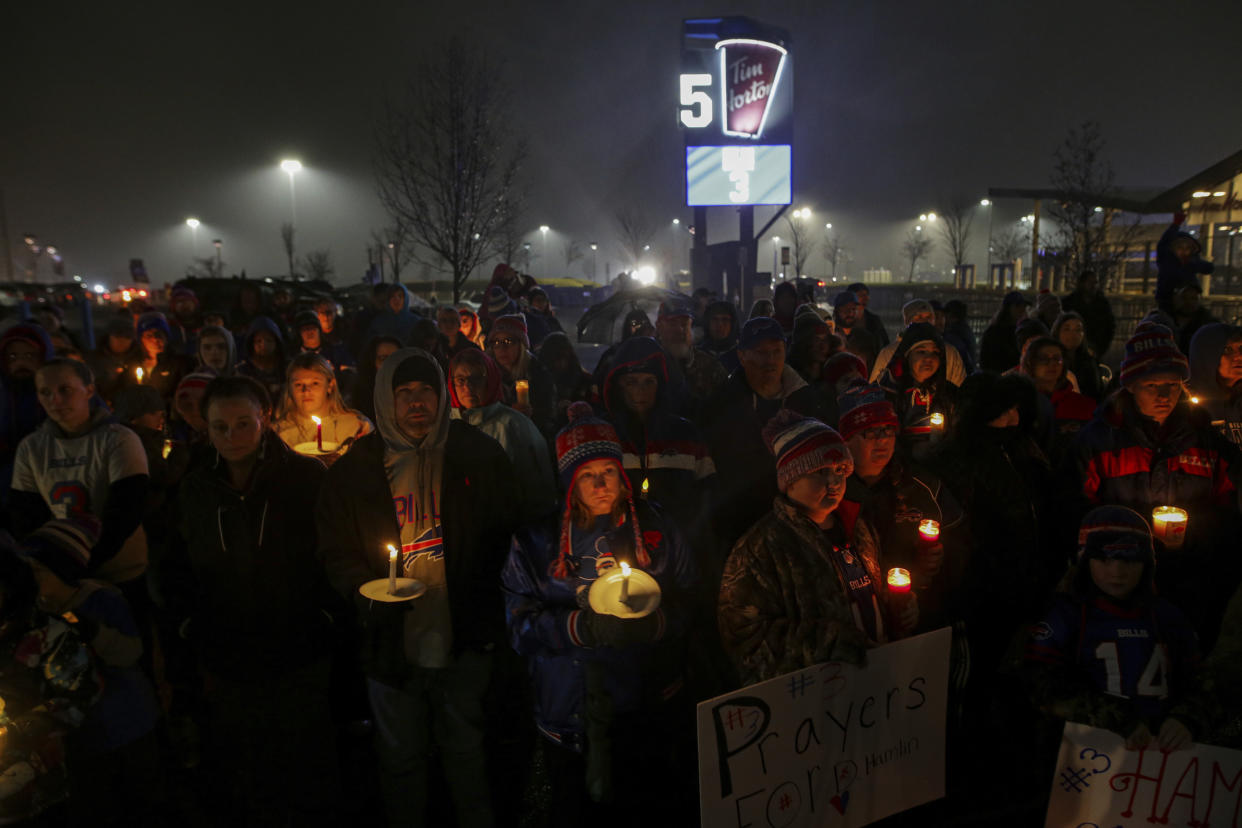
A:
696, 104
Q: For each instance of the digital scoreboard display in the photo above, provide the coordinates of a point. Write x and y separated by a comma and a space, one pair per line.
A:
735, 108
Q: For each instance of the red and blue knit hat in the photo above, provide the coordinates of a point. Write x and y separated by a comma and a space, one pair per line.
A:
802, 445
1151, 350
862, 407
588, 438
513, 324
1115, 532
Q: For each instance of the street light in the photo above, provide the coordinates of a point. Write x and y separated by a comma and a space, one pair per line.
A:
193, 224
983, 202
543, 228
292, 166
594, 248
776, 241
828, 226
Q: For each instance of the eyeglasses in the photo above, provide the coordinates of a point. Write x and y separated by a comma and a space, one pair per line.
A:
504, 343
880, 433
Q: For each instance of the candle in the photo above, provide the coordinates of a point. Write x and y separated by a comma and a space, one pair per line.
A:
929, 531
523, 391
646, 486
138, 374
1169, 525
167, 448
1194, 399
898, 580
625, 582
937, 420
318, 432
392, 569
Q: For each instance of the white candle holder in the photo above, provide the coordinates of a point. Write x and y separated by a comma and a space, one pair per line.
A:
643, 594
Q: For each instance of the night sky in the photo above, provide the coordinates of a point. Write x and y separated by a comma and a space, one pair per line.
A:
121, 124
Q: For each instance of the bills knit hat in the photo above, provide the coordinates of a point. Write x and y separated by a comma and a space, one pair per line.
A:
863, 407
498, 302
802, 445
153, 321
193, 382
513, 324
587, 438
1115, 532
759, 329
1152, 351
64, 545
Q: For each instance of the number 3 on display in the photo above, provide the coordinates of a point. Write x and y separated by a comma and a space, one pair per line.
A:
696, 111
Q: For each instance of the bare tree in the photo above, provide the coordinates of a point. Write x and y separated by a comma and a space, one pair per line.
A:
318, 265
954, 220
834, 252
802, 245
447, 160
915, 247
286, 239
205, 267
573, 252
1084, 181
509, 235
1012, 243
635, 230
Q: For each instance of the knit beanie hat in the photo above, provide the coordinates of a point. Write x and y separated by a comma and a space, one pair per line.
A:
498, 302
842, 363
182, 292
64, 545
416, 369
863, 407
193, 382
153, 320
132, 401
587, 438
1109, 532
1152, 351
802, 445
513, 324
909, 309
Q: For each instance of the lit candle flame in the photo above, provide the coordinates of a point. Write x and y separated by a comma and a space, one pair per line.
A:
937, 419
929, 530
167, 448
392, 552
138, 373
1194, 400
646, 485
899, 579
316, 420
625, 570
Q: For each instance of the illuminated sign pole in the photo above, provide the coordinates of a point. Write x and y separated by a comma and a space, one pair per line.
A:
735, 109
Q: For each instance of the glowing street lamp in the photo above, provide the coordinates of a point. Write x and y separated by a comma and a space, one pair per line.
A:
193, 224
776, 245
292, 167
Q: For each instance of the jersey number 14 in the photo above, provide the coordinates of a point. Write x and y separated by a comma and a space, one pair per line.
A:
1153, 682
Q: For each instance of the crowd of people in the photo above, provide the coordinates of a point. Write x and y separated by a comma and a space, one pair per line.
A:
192, 509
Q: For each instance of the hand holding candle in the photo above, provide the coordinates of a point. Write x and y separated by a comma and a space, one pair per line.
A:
930, 550
898, 580
392, 569
906, 605
1168, 524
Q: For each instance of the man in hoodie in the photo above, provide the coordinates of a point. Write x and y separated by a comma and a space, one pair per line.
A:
1216, 376
1177, 262
847, 314
185, 322
733, 424
441, 492
721, 327
694, 374
23, 348
264, 349
395, 318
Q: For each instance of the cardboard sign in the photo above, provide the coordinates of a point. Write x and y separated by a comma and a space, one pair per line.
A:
1097, 783
830, 745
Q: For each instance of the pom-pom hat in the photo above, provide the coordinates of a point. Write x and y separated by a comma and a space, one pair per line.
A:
588, 438
863, 407
1151, 350
802, 445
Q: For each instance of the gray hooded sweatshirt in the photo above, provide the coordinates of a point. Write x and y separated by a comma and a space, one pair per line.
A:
414, 469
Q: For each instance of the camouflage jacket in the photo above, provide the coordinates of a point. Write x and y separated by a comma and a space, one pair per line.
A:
783, 605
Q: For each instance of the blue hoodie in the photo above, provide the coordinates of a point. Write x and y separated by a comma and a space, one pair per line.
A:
1223, 404
275, 380
394, 323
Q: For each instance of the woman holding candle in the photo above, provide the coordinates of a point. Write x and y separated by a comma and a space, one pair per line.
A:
1112, 653
803, 587
509, 346
917, 386
311, 391
248, 593
161, 368
1148, 447
609, 694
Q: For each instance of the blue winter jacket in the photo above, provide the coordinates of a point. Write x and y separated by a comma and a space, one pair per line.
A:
544, 613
